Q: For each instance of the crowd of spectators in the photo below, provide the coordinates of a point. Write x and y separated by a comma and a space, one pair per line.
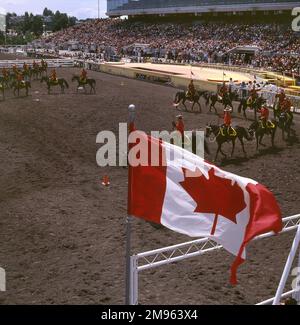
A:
278, 47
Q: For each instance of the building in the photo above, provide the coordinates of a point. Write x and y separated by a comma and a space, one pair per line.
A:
116, 8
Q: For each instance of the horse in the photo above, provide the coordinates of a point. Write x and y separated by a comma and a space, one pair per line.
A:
53, 83
181, 97
18, 85
254, 105
43, 68
5, 81
36, 72
260, 131
83, 83
241, 133
285, 122
225, 100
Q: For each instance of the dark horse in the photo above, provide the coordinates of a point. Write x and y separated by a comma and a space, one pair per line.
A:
181, 97
53, 83
225, 100
18, 85
254, 105
241, 133
83, 83
285, 122
260, 131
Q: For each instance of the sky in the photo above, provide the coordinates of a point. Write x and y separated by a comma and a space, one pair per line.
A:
78, 8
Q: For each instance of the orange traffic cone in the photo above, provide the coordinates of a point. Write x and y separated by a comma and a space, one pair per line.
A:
105, 181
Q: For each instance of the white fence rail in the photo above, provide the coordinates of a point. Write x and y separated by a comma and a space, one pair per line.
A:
52, 63
166, 255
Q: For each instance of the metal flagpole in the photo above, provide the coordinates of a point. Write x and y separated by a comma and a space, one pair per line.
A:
98, 9
128, 285
287, 267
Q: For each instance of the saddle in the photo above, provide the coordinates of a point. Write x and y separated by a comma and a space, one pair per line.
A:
269, 124
228, 131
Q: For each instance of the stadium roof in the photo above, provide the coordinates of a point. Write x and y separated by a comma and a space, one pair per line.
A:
159, 7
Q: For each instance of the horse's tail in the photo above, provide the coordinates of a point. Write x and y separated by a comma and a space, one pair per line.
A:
247, 135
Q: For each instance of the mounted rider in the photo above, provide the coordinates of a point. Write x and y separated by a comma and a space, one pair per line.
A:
5, 73
83, 76
191, 92
15, 69
44, 64
53, 76
253, 95
281, 97
20, 78
226, 129
223, 92
35, 65
264, 118
286, 108
26, 72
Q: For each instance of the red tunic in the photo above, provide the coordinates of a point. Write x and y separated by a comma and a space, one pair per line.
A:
227, 118
281, 97
264, 113
287, 105
180, 126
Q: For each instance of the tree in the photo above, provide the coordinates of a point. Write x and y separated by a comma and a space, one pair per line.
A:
47, 12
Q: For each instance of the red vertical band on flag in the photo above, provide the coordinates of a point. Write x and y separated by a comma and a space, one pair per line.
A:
148, 185
265, 216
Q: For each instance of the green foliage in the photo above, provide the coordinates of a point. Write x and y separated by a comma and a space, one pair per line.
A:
29, 26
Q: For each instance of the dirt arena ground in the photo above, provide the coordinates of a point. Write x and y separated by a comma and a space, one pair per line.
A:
63, 233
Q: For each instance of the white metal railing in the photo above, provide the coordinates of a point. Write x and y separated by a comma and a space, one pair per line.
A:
166, 255
51, 63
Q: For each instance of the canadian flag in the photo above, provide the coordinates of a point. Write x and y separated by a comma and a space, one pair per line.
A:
191, 196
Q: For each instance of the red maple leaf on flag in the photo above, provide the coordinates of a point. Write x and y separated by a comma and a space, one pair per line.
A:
214, 195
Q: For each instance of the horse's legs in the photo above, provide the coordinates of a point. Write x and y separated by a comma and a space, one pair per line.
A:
273, 137
261, 138
224, 154
193, 106
244, 109
183, 103
218, 150
233, 147
243, 146
200, 108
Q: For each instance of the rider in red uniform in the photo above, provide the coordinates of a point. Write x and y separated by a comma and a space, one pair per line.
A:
20, 77
281, 97
53, 75
264, 118
227, 124
83, 75
5, 73
286, 108
191, 89
223, 90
